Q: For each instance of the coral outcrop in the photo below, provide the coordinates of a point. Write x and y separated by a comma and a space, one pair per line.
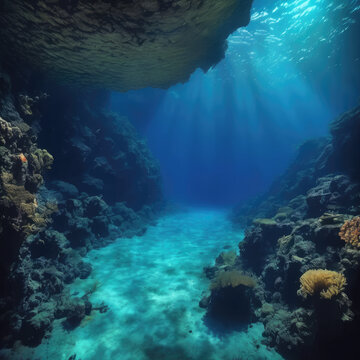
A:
95, 181
46, 263
20, 213
316, 159
120, 45
232, 278
350, 232
306, 223
320, 282
230, 300
101, 152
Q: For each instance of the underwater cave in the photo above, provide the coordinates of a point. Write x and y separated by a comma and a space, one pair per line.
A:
179, 180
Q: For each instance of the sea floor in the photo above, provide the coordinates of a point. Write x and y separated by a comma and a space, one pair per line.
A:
152, 285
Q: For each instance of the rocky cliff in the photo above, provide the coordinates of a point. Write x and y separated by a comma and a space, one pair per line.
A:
339, 153
120, 45
303, 251
95, 181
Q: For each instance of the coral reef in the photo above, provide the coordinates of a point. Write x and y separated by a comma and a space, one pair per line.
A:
46, 263
230, 300
316, 159
120, 45
19, 181
350, 232
88, 221
306, 223
232, 278
48, 225
101, 153
321, 282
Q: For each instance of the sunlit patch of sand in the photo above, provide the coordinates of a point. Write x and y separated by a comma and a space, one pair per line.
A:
152, 285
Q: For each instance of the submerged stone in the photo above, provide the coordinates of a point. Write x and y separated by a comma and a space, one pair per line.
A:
120, 45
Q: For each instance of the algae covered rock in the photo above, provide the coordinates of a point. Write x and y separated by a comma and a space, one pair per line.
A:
101, 154
317, 202
230, 301
47, 226
120, 45
345, 131
19, 180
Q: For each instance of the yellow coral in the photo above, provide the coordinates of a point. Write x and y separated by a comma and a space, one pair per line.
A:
22, 198
326, 283
232, 278
34, 217
41, 159
350, 232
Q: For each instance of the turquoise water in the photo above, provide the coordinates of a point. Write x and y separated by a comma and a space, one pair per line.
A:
293, 39
152, 285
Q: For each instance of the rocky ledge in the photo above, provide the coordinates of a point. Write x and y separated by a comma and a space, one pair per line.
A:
120, 45
316, 158
298, 271
96, 181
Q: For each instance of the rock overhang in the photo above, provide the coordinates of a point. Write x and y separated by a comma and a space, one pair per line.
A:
119, 45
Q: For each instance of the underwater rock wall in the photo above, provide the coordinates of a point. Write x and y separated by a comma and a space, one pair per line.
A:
101, 153
303, 250
51, 206
120, 45
339, 153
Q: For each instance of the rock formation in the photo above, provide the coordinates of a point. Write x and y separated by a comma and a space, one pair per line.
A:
303, 249
120, 45
101, 153
54, 208
72, 176
317, 158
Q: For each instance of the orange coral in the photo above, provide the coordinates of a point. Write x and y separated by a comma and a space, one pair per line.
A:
350, 232
22, 158
326, 283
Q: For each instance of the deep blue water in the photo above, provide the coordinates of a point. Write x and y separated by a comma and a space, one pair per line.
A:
224, 136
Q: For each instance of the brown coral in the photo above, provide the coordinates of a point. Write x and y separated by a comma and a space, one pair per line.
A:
21, 198
232, 278
41, 159
326, 283
10, 135
32, 218
350, 232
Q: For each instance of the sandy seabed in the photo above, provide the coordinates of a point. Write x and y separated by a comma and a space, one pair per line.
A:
152, 285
